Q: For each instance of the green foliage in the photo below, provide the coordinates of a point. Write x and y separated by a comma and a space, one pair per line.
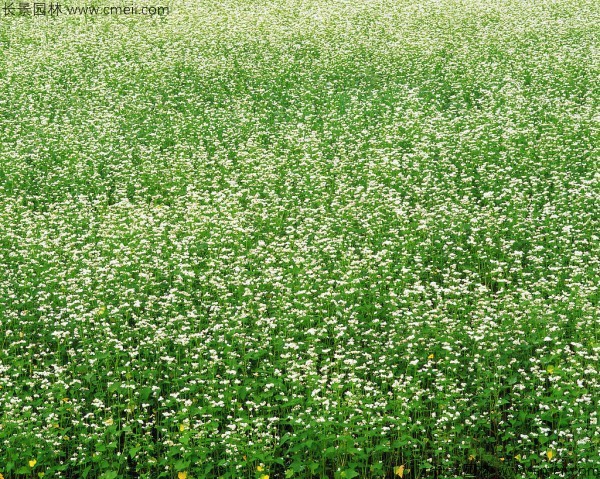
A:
301, 239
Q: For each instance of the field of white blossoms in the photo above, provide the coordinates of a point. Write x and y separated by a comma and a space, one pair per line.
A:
301, 239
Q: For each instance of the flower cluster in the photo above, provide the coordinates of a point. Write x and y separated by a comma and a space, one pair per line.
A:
323, 238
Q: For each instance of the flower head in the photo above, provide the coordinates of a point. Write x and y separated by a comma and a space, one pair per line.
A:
399, 471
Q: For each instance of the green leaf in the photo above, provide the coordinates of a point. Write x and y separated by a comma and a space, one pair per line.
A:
145, 393
182, 465
185, 439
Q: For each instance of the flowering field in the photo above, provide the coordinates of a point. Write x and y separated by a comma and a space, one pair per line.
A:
301, 239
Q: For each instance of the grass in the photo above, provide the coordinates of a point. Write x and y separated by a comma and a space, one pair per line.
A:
301, 239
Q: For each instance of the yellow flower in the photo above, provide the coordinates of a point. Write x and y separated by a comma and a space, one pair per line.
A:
431, 356
471, 457
1, 476
109, 421
181, 427
550, 454
32, 463
182, 475
550, 369
260, 468
399, 471
264, 476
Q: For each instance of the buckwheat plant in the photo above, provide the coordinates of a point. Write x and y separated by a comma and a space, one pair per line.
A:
274, 239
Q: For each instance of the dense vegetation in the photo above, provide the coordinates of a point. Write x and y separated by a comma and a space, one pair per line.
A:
301, 239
